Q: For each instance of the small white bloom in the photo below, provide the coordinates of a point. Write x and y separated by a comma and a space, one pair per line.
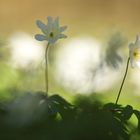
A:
51, 32
134, 53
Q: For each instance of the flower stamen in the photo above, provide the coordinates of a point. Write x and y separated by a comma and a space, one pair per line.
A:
136, 55
51, 34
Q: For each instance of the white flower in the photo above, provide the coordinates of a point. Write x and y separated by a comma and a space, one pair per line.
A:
52, 31
134, 53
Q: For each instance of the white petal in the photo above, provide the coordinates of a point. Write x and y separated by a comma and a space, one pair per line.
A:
40, 37
42, 26
62, 36
135, 63
56, 22
138, 64
63, 28
137, 42
50, 23
52, 40
131, 46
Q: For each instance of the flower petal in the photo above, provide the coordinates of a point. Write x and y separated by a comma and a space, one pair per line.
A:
62, 36
131, 46
56, 22
52, 40
138, 64
137, 42
40, 37
132, 62
50, 22
63, 28
42, 26
135, 63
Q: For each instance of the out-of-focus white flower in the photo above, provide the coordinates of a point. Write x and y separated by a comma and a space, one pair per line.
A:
79, 68
134, 53
51, 32
26, 53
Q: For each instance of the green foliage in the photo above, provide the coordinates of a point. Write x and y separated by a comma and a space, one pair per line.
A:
137, 113
37, 116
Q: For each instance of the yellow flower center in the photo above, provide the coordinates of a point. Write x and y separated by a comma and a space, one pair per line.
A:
136, 55
51, 34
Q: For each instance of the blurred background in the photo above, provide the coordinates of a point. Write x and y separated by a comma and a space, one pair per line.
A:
91, 60
86, 67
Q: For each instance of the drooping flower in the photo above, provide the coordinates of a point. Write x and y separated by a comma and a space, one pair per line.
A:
51, 32
134, 53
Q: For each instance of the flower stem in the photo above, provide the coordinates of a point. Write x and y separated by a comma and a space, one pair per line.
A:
46, 69
123, 81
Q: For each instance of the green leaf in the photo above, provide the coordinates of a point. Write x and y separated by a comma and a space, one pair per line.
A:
137, 113
127, 112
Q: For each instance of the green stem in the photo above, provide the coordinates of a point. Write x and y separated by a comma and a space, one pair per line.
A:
46, 69
123, 81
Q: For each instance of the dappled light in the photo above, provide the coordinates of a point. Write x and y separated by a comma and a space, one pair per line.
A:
80, 66
25, 51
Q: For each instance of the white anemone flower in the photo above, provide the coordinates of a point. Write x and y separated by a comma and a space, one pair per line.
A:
51, 32
134, 53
